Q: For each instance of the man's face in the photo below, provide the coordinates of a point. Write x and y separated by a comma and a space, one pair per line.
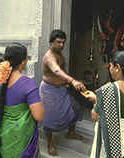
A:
58, 44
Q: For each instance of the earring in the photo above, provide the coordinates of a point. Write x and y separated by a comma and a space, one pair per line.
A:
23, 63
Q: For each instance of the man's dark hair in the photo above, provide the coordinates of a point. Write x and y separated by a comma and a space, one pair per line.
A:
57, 34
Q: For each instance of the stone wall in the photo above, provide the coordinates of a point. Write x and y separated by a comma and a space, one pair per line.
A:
21, 22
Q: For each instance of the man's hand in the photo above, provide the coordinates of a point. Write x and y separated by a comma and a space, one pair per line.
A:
78, 85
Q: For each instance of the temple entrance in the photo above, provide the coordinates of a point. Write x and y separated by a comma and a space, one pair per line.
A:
94, 27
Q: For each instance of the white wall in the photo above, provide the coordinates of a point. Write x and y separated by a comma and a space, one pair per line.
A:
21, 21
17, 18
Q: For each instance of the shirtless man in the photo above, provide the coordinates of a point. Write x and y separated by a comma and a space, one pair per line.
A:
58, 103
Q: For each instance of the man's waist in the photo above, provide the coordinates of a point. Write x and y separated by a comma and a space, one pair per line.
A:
54, 80
55, 84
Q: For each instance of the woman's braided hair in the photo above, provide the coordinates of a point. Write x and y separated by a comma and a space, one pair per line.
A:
14, 54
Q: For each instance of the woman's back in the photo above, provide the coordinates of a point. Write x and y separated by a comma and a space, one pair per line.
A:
24, 90
20, 105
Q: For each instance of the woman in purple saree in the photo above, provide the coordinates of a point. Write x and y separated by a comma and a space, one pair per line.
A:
20, 107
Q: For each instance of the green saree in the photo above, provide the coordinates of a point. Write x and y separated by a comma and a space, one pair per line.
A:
17, 130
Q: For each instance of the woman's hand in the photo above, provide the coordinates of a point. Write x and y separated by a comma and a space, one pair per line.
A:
94, 116
90, 96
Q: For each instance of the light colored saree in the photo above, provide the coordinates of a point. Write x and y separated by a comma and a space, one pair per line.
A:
109, 130
18, 133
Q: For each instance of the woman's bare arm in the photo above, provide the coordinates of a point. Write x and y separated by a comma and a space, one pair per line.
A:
37, 110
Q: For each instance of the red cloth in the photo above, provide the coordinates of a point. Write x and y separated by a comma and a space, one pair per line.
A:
118, 37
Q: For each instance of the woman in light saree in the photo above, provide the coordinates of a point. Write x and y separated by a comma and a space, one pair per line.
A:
20, 106
108, 113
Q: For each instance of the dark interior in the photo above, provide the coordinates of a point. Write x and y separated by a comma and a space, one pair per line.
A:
83, 13
83, 10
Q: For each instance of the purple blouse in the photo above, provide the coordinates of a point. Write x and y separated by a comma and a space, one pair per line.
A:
25, 90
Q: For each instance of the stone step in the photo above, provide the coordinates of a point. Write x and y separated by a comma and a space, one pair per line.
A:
67, 148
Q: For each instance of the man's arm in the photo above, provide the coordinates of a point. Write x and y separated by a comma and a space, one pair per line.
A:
51, 62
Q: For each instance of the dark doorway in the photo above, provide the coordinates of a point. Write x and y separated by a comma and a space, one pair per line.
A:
85, 50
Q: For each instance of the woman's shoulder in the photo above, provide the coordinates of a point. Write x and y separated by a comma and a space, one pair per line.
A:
105, 86
108, 84
28, 80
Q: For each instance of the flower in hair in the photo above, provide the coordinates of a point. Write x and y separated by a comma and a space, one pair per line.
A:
5, 71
